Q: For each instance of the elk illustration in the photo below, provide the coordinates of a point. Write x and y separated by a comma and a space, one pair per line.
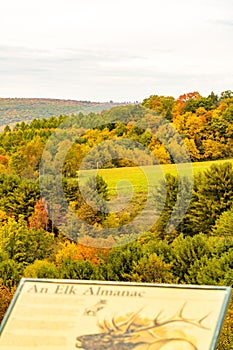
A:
92, 310
134, 332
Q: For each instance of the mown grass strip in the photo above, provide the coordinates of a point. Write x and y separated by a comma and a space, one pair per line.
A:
139, 179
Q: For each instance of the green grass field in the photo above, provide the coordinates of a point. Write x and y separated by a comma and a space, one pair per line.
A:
140, 179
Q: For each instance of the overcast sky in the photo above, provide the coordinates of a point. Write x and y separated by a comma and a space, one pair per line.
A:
123, 50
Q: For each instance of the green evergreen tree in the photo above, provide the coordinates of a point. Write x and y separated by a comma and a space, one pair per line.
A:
224, 224
213, 194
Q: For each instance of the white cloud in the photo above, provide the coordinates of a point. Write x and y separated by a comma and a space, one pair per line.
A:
120, 50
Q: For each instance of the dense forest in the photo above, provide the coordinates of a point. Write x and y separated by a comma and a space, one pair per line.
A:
198, 251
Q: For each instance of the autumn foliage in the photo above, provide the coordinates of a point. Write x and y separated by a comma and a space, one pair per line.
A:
6, 295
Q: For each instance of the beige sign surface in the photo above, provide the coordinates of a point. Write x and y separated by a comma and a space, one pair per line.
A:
64, 314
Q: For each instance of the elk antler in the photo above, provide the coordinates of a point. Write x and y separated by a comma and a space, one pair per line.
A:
131, 327
178, 317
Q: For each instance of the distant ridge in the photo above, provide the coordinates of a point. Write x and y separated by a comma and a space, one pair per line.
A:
16, 110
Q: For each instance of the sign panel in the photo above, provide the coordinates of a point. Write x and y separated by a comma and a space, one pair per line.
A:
70, 314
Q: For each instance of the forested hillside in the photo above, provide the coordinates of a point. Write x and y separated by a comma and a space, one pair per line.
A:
13, 110
204, 122
198, 251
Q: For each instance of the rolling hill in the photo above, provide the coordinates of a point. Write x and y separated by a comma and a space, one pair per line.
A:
14, 110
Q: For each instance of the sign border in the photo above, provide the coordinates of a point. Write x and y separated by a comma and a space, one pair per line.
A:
218, 327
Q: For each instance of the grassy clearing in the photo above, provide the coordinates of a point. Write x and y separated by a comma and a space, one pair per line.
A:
138, 180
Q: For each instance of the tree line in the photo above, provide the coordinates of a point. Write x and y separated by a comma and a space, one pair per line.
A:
205, 124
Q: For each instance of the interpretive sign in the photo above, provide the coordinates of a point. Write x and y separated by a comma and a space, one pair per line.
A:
70, 314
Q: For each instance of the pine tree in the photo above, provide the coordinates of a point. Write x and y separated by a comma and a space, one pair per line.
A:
213, 194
